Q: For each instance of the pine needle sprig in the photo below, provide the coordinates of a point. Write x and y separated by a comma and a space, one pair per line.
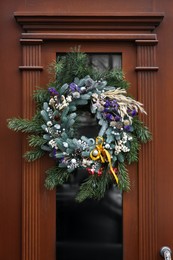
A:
26, 125
41, 95
33, 155
124, 181
94, 187
55, 176
36, 140
74, 64
132, 155
116, 78
142, 132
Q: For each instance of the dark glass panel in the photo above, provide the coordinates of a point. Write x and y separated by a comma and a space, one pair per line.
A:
92, 229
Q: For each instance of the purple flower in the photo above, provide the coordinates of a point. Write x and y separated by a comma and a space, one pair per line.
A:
127, 128
114, 103
117, 118
107, 104
109, 117
61, 160
133, 112
52, 91
73, 87
54, 152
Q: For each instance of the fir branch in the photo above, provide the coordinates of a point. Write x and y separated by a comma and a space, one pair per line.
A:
41, 95
36, 140
124, 181
26, 125
33, 155
94, 187
116, 78
142, 132
55, 176
73, 64
132, 155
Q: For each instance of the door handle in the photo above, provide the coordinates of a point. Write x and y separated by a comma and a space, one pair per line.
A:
166, 252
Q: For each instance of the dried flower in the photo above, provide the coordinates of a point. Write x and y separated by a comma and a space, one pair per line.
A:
53, 91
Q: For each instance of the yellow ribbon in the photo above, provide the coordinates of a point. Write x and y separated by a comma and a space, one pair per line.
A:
102, 154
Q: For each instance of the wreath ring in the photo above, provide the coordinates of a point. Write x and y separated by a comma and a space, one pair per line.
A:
57, 132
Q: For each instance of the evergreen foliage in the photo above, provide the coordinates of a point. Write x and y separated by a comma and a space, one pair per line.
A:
55, 176
33, 155
94, 187
55, 130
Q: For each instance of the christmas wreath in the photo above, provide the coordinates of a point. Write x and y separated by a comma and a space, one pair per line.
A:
55, 127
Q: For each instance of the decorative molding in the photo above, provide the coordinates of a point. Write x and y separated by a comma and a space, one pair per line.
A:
31, 41
146, 58
31, 171
146, 68
31, 68
92, 21
88, 36
116, 26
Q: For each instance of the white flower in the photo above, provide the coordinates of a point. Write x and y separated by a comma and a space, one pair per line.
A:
117, 149
57, 126
130, 138
49, 123
100, 107
53, 144
69, 99
76, 94
82, 89
73, 161
51, 102
95, 97
125, 149
126, 122
107, 146
86, 162
113, 123
65, 144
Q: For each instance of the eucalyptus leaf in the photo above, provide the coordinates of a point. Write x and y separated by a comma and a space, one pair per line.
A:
45, 115
59, 155
120, 157
81, 102
85, 96
46, 148
64, 88
85, 154
47, 137
45, 105
109, 139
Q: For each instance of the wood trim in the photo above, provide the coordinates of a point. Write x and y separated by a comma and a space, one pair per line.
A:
31, 172
117, 26
147, 68
31, 67
146, 58
31, 41
90, 36
92, 21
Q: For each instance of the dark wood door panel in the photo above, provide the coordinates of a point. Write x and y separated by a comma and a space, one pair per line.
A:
130, 200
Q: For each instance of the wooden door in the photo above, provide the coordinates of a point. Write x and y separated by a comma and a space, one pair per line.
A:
131, 35
130, 200
139, 64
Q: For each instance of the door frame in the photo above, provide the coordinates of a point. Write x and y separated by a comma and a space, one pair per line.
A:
40, 29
